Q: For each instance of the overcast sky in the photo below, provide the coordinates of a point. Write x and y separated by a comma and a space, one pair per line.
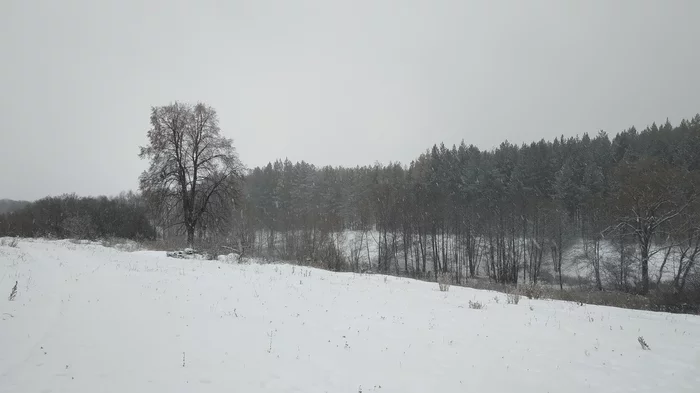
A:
330, 82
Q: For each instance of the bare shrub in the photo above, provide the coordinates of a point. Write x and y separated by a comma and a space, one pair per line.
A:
332, 255
512, 298
533, 291
443, 280
476, 305
10, 242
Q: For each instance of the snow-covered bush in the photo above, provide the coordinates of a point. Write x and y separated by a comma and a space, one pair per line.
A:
231, 258
188, 253
512, 298
476, 305
9, 242
443, 280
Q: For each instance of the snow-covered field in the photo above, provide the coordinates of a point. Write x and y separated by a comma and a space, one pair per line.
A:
92, 319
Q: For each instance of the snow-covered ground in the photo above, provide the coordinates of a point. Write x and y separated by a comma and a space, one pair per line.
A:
92, 319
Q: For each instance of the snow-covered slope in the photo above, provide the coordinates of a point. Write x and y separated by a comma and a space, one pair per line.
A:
93, 319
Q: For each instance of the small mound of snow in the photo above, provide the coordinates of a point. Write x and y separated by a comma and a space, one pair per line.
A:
229, 258
128, 246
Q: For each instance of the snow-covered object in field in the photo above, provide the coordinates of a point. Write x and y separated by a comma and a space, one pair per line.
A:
187, 253
230, 258
87, 318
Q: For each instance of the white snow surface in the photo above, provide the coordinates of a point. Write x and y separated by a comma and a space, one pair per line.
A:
88, 318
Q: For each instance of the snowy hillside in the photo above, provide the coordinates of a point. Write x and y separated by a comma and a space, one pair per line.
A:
92, 319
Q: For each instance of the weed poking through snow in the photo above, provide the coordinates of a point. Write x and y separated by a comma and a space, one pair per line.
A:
643, 343
13, 293
271, 334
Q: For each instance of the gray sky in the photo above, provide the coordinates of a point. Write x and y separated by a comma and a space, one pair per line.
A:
329, 82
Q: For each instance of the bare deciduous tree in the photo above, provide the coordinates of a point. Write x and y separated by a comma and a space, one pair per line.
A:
193, 168
651, 194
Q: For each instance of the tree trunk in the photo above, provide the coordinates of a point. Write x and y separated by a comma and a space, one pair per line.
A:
421, 241
560, 246
524, 248
470, 253
645, 267
663, 266
406, 248
436, 258
369, 257
190, 236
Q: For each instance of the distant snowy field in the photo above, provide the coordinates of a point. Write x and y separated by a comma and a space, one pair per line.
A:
92, 319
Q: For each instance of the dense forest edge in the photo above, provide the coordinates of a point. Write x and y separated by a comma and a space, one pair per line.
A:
516, 216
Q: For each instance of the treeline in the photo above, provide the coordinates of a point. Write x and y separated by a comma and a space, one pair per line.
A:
8, 205
70, 216
506, 212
